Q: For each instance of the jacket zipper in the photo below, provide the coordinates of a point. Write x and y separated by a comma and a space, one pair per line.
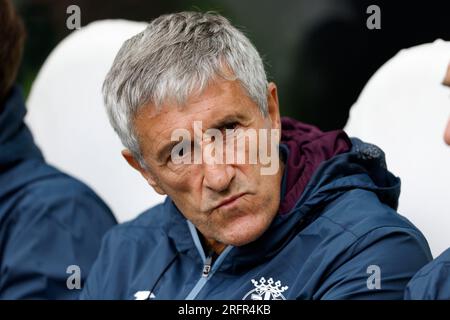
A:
207, 266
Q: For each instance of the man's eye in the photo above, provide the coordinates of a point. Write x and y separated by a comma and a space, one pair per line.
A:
183, 152
230, 126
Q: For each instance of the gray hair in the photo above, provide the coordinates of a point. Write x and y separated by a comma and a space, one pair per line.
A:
176, 55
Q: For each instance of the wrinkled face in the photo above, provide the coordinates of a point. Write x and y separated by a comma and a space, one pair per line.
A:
230, 203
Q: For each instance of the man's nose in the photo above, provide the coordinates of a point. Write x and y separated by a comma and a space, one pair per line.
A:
218, 176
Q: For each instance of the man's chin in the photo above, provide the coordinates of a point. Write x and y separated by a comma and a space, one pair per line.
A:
239, 234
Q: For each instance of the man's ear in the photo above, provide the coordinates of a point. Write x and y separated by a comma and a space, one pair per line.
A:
132, 161
273, 106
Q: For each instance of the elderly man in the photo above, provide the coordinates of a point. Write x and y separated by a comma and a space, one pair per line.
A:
316, 220
432, 282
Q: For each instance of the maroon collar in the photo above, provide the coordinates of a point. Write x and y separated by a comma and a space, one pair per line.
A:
308, 148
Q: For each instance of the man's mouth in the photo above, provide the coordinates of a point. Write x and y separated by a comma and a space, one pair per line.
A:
229, 202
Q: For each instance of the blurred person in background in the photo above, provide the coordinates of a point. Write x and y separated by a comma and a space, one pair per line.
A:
51, 225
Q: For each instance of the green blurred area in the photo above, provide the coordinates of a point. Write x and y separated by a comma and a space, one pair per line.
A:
46, 23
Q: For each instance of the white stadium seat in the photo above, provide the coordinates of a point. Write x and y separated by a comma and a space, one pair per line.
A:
404, 109
67, 117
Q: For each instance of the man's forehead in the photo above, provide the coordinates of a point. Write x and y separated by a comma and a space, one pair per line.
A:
216, 103
214, 116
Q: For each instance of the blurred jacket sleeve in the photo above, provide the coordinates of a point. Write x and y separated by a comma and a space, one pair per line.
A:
432, 282
47, 234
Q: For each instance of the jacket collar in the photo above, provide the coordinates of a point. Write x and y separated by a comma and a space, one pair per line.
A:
16, 141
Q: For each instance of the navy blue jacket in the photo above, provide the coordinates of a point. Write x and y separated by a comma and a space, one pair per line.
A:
48, 220
432, 282
343, 240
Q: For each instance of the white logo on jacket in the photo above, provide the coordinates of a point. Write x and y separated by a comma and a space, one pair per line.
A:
144, 295
266, 290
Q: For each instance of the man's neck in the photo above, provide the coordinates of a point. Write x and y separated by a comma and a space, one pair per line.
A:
211, 245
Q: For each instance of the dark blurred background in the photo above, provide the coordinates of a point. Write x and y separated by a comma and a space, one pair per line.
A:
319, 52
